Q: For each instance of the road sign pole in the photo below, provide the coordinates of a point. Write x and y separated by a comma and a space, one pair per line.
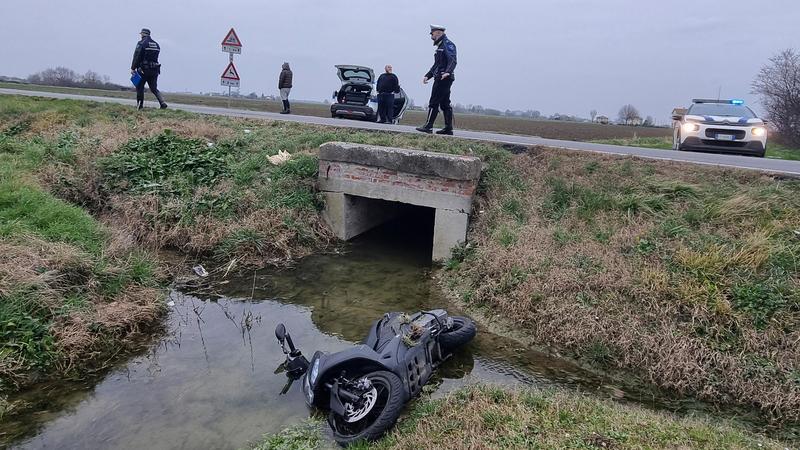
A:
231, 44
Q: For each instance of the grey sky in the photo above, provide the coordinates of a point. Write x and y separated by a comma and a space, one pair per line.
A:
566, 56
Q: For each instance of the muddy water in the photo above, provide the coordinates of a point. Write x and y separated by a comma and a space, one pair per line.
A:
209, 383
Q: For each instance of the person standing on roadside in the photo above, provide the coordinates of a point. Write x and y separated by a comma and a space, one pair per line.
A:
285, 86
388, 85
444, 63
145, 61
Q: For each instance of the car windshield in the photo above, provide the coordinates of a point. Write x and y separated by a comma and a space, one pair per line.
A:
721, 109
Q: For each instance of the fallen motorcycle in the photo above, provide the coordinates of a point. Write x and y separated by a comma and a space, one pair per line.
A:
364, 388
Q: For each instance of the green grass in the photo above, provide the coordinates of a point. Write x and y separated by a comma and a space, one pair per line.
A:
774, 150
491, 417
778, 151
60, 267
664, 143
304, 436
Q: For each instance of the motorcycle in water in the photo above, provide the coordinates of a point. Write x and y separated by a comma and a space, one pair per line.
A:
364, 388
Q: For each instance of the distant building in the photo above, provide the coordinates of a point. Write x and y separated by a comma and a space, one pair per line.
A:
601, 119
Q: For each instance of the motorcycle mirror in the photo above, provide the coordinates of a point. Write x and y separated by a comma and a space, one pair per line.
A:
280, 332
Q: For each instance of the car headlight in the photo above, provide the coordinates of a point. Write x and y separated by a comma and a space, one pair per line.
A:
759, 131
312, 376
690, 127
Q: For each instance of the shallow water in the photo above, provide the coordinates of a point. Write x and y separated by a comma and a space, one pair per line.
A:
209, 383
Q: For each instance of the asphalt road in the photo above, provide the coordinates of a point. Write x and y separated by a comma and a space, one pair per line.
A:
741, 162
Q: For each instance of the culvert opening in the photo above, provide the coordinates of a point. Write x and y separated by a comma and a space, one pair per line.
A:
406, 229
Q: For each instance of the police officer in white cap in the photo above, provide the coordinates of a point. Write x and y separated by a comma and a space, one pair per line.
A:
444, 63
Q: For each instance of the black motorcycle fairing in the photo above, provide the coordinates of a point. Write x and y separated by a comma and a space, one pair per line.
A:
353, 362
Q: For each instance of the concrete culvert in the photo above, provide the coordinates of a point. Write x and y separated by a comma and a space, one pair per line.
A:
363, 184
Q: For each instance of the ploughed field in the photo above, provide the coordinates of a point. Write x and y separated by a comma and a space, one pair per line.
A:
552, 129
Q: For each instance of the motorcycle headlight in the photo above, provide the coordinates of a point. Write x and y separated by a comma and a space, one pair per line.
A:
690, 127
312, 376
759, 131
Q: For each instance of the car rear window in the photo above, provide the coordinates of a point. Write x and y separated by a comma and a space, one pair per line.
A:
356, 74
721, 109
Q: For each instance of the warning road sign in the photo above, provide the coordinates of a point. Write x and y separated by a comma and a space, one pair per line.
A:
230, 77
232, 43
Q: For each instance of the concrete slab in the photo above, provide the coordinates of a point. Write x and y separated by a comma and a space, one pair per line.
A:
452, 167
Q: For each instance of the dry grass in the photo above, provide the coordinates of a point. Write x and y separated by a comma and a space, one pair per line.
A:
483, 417
682, 275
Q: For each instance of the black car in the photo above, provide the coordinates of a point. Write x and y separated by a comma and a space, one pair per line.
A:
356, 98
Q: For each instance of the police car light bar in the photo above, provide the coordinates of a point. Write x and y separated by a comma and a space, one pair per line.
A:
728, 102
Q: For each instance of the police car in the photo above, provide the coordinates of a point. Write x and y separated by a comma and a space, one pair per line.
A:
726, 126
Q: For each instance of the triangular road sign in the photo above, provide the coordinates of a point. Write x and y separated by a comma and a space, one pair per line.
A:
232, 39
230, 73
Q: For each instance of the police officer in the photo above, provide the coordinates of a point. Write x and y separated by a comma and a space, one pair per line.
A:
145, 60
442, 74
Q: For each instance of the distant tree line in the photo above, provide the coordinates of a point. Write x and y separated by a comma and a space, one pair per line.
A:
62, 76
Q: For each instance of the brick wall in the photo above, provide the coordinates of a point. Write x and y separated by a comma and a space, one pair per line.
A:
381, 176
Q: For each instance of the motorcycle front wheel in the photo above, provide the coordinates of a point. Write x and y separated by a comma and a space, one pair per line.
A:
379, 414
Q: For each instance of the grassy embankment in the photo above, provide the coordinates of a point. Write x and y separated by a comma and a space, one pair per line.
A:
774, 150
227, 202
487, 417
687, 277
90, 192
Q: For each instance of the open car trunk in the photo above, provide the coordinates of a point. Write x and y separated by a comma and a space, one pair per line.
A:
355, 98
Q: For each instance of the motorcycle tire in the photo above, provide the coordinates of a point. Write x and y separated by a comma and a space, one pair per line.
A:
463, 331
376, 423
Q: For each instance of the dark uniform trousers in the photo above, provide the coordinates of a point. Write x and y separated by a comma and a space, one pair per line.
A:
440, 99
149, 76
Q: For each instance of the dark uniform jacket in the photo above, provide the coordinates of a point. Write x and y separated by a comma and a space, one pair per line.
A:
444, 61
388, 83
145, 57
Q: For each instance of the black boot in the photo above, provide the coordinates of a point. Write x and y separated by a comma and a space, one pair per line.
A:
140, 104
448, 122
285, 107
428, 127
160, 99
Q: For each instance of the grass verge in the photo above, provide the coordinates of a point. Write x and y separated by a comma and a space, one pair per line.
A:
774, 150
489, 417
685, 276
70, 294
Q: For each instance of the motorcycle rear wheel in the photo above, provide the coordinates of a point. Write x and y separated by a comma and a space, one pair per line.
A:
381, 417
463, 331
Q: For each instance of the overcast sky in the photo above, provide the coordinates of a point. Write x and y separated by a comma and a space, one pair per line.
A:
556, 56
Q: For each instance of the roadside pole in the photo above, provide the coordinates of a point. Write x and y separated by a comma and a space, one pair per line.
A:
230, 77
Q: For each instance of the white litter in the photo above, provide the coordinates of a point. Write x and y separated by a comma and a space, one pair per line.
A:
170, 303
280, 158
210, 144
247, 131
200, 271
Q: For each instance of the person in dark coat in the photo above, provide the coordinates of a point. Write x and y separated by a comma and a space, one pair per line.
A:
388, 85
145, 61
285, 86
442, 74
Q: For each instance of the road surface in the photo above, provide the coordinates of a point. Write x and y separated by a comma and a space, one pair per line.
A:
741, 162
